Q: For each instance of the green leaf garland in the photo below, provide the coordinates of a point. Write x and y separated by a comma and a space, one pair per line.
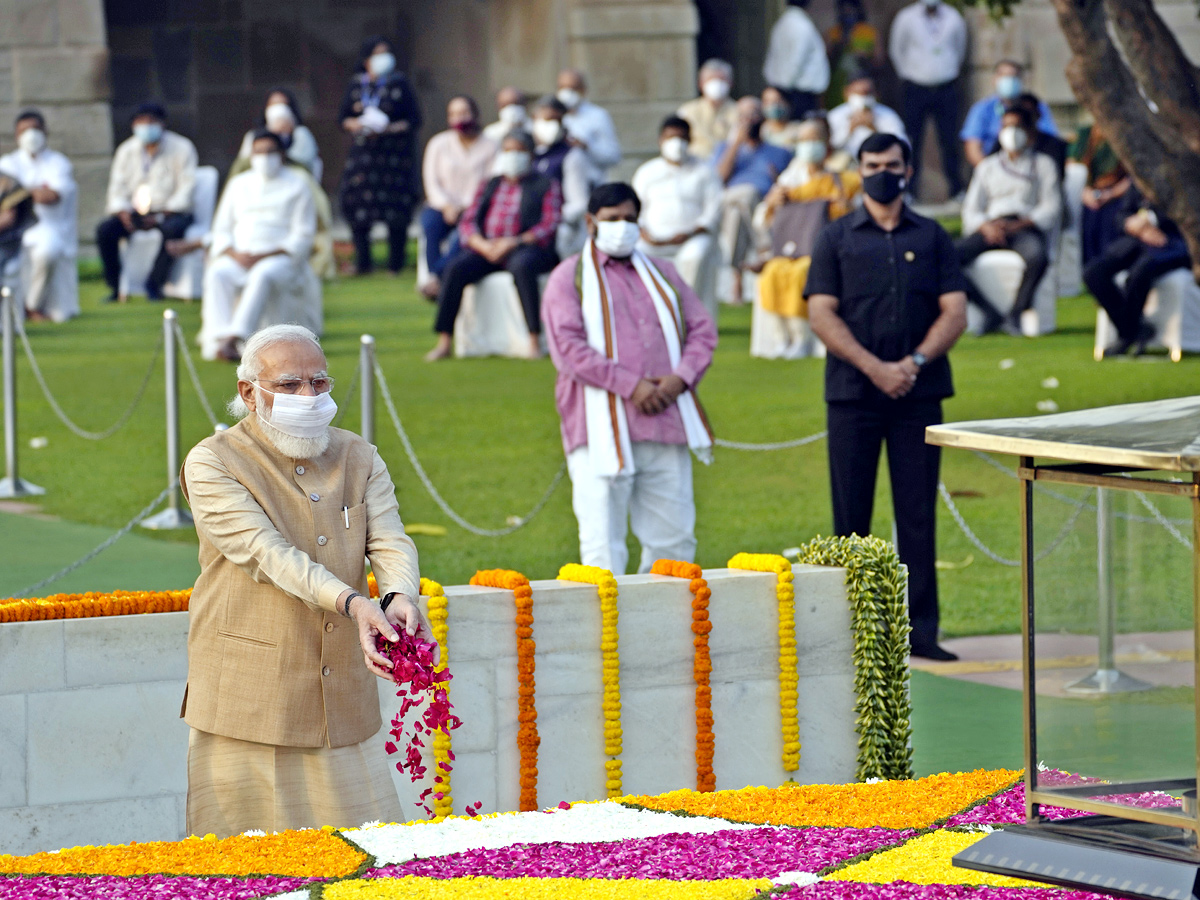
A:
875, 588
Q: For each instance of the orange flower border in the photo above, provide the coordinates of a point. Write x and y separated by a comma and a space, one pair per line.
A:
528, 740
93, 604
706, 779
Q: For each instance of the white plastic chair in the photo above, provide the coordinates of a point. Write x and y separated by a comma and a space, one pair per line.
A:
1172, 307
997, 274
186, 281
1070, 245
491, 321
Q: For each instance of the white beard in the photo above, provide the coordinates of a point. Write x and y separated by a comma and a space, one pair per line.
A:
289, 445
295, 447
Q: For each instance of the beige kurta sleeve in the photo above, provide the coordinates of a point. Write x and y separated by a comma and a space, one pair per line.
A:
392, 553
229, 516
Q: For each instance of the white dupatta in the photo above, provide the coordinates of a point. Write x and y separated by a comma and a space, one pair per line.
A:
609, 447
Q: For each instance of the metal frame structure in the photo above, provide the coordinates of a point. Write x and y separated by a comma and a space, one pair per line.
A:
1123, 850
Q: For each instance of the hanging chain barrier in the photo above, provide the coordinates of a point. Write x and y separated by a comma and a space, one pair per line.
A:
764, 448
190, 364
75, 429
1066, 529
84, 560
433, 491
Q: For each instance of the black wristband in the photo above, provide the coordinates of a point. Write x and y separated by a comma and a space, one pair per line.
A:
387, 601
346, 607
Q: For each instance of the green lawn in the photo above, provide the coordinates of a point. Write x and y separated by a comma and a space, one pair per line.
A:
487, 433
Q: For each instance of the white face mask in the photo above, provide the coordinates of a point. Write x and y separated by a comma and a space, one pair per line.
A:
299, 415
32, 141
266, 165
381, 64
547, 131
859, 102
716, 89
1013, 138
279, 115
810, 152
617, 238
513, 163
674, 149
569, 97
148, 132
513, 115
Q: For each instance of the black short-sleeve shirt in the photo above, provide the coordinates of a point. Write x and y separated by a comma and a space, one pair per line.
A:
887, 284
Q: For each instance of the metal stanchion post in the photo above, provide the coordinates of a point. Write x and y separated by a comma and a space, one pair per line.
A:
1107, 679
12, 485
366, 376
174, 516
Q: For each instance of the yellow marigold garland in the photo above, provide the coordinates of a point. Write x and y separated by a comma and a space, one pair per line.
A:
310, 853
788, 679
606, 586
93, 604
701, 666
527, 730
443, 803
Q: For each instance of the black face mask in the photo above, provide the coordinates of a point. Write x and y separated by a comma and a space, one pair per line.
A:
885, 186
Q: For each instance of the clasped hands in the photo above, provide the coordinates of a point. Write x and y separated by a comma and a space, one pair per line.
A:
372, 621
895, 379
997, 231
494, 250
653, 395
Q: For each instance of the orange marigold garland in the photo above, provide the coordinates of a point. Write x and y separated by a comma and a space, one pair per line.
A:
606, 586
93, 604
701, 666
527, 731
789, 681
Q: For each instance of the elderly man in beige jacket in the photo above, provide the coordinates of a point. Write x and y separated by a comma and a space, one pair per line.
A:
281, 697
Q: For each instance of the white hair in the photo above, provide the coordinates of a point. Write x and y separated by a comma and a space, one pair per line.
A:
716, 66
251, 365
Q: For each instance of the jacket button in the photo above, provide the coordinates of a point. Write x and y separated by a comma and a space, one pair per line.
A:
299, 470
322, 540
328, 627
325, 671
314, 497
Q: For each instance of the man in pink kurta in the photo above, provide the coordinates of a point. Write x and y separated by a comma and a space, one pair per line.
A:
656, 496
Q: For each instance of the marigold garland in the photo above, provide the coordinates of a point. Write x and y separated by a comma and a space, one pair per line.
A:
706, 780
887, 804
527, 730
789, 680
93, 604
310, 853
879, 619
606, 586
443, 803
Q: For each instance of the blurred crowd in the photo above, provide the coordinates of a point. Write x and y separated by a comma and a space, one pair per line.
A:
740, 188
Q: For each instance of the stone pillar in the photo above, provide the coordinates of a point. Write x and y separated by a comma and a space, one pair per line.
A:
54, 57
640, 59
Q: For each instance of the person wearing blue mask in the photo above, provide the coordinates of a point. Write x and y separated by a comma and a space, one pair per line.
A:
981, 132
150, 187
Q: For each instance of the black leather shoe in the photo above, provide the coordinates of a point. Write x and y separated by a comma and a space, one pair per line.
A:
932, 651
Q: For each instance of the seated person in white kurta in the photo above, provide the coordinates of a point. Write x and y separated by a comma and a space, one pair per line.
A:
681, 211
48, 176
261, 240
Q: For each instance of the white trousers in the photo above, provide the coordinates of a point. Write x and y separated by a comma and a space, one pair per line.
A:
225, 314
698, 260
656, 500
43, 248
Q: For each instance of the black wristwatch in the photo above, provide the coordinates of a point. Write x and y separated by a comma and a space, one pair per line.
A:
919, 359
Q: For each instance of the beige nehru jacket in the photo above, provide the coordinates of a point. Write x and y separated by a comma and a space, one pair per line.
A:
280, 539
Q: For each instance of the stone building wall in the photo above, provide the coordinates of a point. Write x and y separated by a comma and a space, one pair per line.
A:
53, 56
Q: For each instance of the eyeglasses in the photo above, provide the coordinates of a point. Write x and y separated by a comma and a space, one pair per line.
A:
322, 384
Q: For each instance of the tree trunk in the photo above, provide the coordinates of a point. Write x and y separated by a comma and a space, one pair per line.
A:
1143, 95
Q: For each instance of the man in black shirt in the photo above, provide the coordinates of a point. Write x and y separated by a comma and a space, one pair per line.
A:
886, 295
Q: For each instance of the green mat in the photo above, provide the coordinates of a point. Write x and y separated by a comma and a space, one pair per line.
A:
36, 548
